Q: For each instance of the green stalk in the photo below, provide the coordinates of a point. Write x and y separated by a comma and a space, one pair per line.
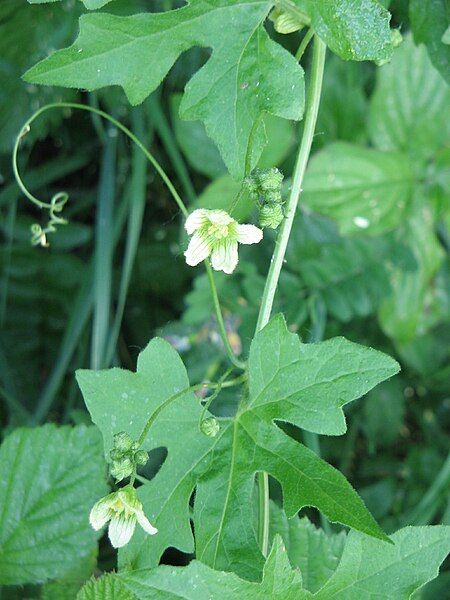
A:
312, 109
192, 388
223, 332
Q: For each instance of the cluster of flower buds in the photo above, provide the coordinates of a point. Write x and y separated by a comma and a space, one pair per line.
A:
264, 186
125, 456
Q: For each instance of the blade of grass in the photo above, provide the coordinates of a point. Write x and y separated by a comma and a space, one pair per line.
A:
10, 224
137, 194
79, 318
103, 256
162, 128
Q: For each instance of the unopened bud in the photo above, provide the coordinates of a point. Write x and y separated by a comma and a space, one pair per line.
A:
141, 457
122, 442
120, 469
210, 427
271, 215
270, 180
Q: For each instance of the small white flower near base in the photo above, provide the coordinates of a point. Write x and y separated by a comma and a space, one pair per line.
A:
123, 510
216, 234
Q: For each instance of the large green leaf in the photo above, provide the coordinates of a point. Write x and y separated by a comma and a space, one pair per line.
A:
49, 479
108, 587
368, 569
408, 110
360, 188
371, 569
310, 549
306, 385
247, 75
351, 275
429, 21
353, 30
404, 313
199, 582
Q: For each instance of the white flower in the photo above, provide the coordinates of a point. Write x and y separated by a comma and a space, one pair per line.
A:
123, 509
216, 234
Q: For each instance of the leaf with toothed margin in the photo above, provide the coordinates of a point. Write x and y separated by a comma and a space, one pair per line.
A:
247, 75
304, 384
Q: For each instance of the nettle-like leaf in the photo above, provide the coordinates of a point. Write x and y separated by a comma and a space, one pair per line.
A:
353, 30
247, 74
429, 22
309, 548
49, 479
304, 384
360, 188
368, 569
408, 110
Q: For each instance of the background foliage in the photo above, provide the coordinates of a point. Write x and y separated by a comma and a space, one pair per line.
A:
368, 259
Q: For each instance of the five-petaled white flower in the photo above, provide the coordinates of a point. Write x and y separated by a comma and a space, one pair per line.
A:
216, 234
123, 509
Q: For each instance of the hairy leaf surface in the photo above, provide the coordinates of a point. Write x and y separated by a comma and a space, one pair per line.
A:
409, 108
49, 480
360, 188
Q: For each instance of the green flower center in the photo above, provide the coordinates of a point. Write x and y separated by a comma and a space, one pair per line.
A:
218, 231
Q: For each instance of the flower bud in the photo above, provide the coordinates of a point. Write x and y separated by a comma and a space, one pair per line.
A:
210, 427
270, 180
271, 215
122, 442
120, 469
141, 457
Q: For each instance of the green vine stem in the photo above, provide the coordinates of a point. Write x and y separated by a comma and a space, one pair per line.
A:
312, 109
192, 388
220, 322
49, 205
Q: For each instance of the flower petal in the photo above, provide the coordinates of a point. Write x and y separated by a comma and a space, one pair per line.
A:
121, 529
219, 217
199, 248
224, 256
195, 220
249, 234
101, 512
145, 523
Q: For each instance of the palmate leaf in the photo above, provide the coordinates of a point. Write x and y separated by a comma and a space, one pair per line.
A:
247, 74
304, 384
368, 569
